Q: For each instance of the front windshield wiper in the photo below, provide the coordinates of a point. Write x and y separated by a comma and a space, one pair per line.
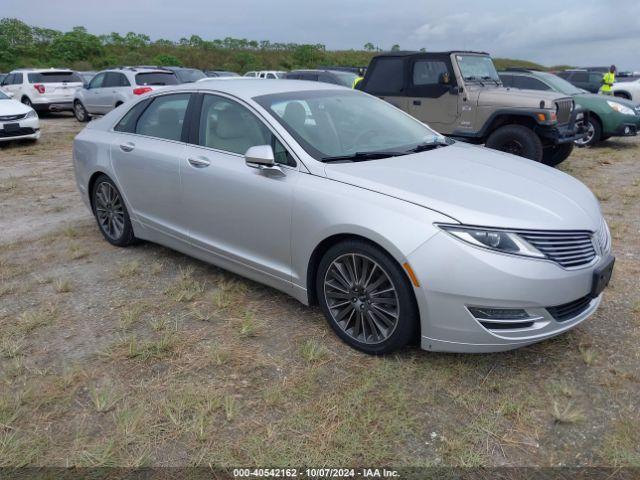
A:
360, 156
423, 147
493, 80
474, 79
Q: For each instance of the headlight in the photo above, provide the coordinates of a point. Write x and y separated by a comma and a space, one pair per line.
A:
618, 107
498, 240
31, 114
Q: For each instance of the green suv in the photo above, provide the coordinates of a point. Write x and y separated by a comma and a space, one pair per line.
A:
607, 116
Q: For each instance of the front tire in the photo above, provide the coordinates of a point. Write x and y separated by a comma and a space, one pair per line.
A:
517, 140
593, 134
80, 112
556, 154
366, 298
111, 213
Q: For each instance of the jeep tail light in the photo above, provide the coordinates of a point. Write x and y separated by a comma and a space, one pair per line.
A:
141, 90
40, 88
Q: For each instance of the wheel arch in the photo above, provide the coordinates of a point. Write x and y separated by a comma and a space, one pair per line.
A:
334, 239
502, 119
623, 94
92, 182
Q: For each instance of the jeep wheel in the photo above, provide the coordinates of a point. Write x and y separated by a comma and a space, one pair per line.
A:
556, 154
517, 140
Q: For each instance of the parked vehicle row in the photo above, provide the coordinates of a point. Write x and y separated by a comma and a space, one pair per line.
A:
460, 94
43, 89
606, 116
339, 199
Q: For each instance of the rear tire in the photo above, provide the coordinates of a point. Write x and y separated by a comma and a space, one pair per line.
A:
556, 154
517, 140
111, 213
80, 112
366, 298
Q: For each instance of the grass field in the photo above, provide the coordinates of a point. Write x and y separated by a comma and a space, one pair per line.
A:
142, 356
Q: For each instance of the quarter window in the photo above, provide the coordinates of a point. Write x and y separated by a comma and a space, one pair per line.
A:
388, 78
164, 118
97, 81
226, 125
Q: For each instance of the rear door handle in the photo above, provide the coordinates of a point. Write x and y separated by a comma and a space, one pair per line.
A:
417, 102
199, 162
127, 147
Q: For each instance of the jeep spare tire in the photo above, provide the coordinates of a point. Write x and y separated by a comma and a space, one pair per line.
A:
517, 140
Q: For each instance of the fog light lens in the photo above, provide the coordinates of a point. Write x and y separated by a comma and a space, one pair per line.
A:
490, 313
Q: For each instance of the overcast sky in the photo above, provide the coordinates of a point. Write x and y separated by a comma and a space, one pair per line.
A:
577, 32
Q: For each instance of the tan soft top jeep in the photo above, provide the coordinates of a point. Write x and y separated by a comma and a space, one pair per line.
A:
460, 94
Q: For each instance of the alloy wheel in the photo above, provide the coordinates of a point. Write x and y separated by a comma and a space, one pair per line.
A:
79, 111
361, 298
109, 210
588, 136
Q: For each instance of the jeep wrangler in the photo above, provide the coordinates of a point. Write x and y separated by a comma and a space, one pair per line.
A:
459, 94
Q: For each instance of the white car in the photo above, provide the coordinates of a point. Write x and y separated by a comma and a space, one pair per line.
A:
43, 89
628, 90
17, 121
111, 88
272, 74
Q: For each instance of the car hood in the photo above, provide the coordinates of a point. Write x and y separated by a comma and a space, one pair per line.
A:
479, 186
13, 107
592, 99
513, 97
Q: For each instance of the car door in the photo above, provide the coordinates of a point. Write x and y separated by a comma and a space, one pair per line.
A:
93, 94
119, 87
236, 212
432, 94
146, 152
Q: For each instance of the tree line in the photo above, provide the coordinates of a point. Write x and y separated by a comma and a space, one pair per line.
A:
23, 45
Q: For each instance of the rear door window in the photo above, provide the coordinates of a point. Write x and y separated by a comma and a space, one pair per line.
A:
17, 79
387, 77
115, 79
164, 118
156, 78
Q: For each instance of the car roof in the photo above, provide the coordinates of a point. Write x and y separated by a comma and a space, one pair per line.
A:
408, 53
325, 70
253, 87
137, 70
41, 70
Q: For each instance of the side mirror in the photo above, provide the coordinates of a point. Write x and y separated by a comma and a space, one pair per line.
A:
260, 156
455, 90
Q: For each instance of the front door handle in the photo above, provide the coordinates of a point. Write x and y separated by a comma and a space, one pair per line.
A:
127, 147
199, 162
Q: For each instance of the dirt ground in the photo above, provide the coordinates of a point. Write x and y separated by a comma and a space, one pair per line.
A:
142, 356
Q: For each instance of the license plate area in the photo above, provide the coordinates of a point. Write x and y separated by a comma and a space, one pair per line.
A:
602, 276
11, 127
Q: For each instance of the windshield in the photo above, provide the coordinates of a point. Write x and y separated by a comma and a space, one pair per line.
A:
336, 123
346, 78
190, 75
560, 84
477, 67
3, 96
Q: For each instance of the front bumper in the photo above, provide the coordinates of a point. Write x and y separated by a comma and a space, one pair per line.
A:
454, 276
29, 129
627, 129
568, 132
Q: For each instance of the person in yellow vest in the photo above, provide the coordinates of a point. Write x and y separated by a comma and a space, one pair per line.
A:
358, 79
608, 79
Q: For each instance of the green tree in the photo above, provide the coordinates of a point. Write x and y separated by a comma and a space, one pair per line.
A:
166, 60
369, 47
395, 47
76, 45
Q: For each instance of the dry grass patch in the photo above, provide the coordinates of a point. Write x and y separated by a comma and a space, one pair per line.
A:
186, 288
129, 269
62, 285
567, 413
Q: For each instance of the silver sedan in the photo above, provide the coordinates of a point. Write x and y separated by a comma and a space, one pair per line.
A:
339, 199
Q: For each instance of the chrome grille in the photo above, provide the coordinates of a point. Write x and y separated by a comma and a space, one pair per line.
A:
8, 118
565, 107
569, 248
